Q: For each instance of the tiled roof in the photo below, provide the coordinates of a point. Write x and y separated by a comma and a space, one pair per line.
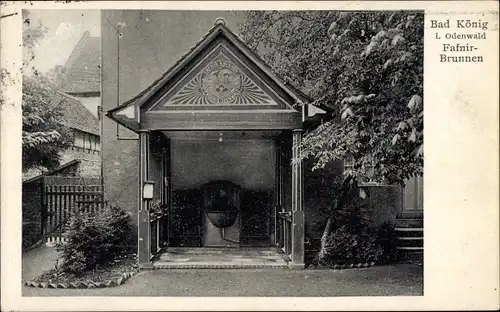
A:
76, 115
83, 74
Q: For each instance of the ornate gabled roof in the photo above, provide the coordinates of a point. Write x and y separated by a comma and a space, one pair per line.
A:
231, 58
83, 74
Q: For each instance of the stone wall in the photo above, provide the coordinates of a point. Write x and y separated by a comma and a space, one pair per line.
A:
31, 213
384, 202
121, 172
90, 161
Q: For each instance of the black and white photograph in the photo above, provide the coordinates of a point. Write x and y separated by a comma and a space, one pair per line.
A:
223, 153
249, 156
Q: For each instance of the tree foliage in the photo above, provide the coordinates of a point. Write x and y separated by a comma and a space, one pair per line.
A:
95, 239
43, 133
366, 70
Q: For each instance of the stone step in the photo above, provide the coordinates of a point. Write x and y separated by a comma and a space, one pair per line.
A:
220, 258
410, 241
162, 265
407, 248
410, 237
222, 251
411, 233
408, 229
410, 223
417, 214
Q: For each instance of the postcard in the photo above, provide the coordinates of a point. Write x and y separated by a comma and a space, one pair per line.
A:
249, 155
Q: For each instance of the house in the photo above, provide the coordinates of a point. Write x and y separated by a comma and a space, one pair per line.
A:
86, 145
80, 84
77, 96
203, 120
81, 76
82, 158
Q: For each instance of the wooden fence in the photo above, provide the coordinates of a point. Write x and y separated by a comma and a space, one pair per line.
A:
61, 201
54, 200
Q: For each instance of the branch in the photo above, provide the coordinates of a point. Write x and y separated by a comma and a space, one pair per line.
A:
7, 15
257, 42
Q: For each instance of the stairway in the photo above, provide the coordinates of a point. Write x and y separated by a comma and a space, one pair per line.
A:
410, 236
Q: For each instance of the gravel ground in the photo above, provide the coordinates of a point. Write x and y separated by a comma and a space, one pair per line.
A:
38, 261
396, 280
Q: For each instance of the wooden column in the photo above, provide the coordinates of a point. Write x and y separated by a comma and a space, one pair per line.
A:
297, 205
167, 190
144, 238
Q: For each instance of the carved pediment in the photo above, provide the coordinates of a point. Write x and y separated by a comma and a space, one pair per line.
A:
218, 84
220, 81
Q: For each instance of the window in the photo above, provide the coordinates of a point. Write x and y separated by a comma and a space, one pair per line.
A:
414, 194
98, 145
86, 141
78, 142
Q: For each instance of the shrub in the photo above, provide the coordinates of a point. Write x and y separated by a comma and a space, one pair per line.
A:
355, 240
95, 239
346, 246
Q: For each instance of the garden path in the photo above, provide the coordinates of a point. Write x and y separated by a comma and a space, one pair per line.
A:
37, 261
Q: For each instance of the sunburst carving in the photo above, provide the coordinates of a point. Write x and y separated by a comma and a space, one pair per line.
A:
220, 83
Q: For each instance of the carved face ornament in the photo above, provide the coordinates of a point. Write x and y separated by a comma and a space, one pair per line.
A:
221, 82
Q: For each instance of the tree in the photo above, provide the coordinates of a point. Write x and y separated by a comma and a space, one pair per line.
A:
44, 135
32, 34
366, 70
43, 132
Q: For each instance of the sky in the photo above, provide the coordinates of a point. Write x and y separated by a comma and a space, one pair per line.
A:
64, 29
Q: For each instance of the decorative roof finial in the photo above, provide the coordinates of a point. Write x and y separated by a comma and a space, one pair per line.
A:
220, 21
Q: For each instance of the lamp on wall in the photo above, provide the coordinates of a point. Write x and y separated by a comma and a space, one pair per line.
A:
147, 190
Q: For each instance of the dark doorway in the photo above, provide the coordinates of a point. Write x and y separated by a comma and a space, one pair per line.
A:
255, 228
186, 218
